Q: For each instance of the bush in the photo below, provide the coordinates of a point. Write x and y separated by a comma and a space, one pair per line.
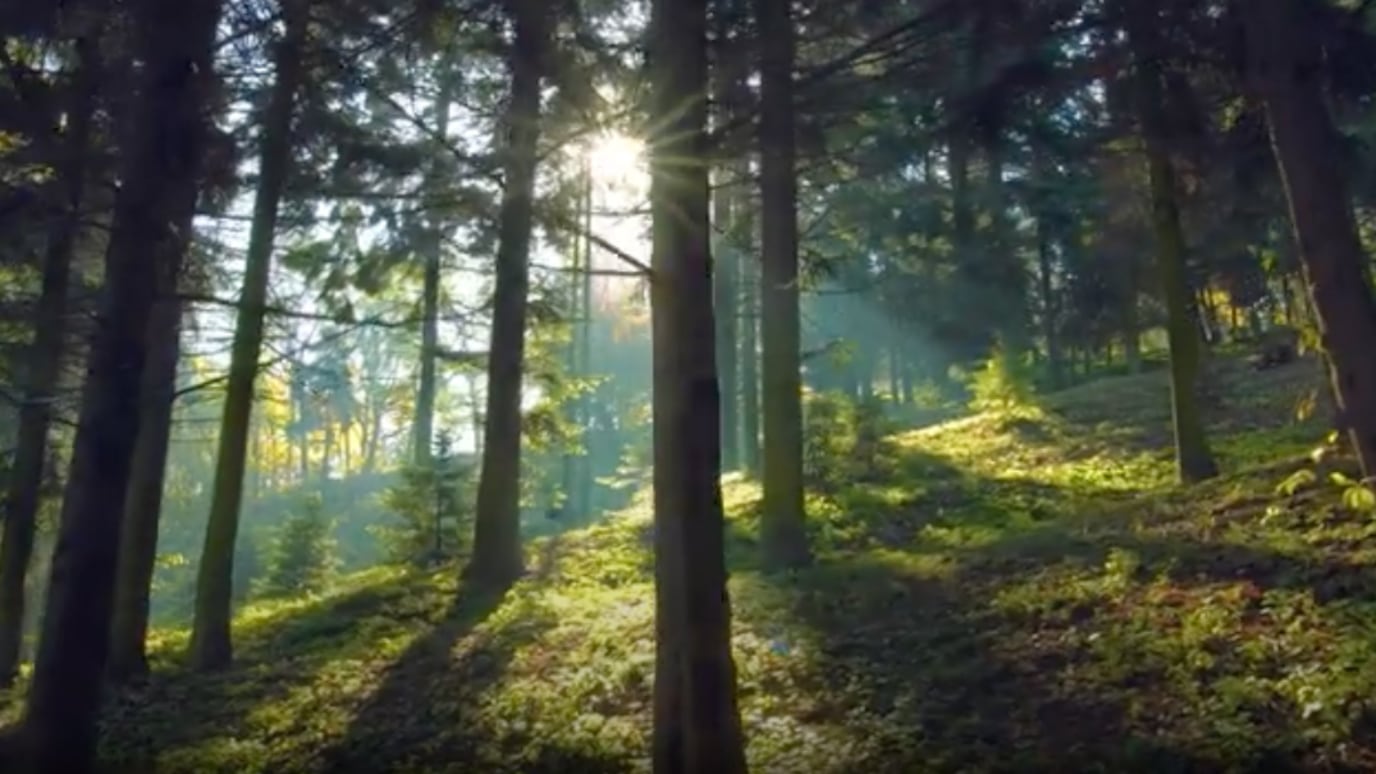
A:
1003, 382
432, 515
842, 439
302, 554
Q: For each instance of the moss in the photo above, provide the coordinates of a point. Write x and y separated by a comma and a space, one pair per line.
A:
1015, 590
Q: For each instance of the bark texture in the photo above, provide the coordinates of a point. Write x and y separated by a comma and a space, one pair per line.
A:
138, 548
45, 359
497, 559
210, 633
1287, 72
784, 540
696, 718
149, 235
1194, 461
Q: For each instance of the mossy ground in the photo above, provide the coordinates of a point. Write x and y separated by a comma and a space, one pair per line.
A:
1022, 590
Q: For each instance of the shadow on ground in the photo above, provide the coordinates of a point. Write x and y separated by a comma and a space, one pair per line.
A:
952, 677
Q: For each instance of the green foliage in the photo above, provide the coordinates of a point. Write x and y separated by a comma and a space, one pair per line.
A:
1023, 588
1002, 382
432, 517
842, 439
302, 553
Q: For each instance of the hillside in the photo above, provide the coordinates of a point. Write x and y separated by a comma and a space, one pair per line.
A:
1015, 590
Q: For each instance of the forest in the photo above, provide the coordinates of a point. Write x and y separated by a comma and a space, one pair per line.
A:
687, 386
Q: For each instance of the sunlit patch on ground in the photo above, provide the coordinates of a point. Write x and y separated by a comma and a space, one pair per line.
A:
1015, 590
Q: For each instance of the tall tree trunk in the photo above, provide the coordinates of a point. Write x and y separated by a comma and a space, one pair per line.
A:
422, 434
1011, 290
783, 537
497, 559
749, 330
1132, 324
148, 239
1288, 72
374, 439
725, 294
327, 457
963, 236
1194, 461
1050, 308
210, 635
138, 549
696, 718
44, 360
584, 464
895, 374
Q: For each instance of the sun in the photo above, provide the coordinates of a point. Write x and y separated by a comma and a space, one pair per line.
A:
616, 159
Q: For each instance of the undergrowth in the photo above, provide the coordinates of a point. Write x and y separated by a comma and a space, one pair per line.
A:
1024, 589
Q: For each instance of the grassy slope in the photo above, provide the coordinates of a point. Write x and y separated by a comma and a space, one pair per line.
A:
1013, 591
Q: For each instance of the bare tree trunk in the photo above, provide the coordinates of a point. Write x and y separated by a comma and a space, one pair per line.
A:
1194, 461
725, 293
374, 437
583, 468
696, 718
424, 429
210, 635
749, 331
497, 559
1050, 309
143, 505
44, 360
148, 239
1288, 74
782, 526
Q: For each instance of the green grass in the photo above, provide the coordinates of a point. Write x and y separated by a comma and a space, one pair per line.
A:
1024, 590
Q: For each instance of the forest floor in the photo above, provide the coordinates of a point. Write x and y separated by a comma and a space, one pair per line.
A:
1019, 590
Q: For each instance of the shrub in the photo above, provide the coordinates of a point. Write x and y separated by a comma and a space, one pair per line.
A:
431, 509
1003, 382
842, 439
302, 554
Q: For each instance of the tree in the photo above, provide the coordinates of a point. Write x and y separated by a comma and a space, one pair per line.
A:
423, 431
210, 635
730, 70
696, 719
1194, 462
784, 540
148, 238
1286, 61
497, 558
143, 504
45, 356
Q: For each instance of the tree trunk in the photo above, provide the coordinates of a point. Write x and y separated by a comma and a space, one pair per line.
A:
138, 549
422, 435
374, 437
326, 458
210, 635
584, 465
148, 239
726, 262
782, 526
725, 294
1288, 72
497, 559
44, 361
696, 718
749, 331
1194, 461
1050, 309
